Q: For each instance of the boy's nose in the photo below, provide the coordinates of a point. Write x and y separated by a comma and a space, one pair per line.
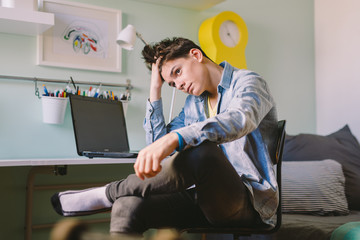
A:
179, 85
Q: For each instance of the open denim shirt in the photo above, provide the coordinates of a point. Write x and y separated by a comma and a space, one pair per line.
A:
246, 120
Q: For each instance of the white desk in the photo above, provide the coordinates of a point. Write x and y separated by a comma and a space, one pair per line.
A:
63, 161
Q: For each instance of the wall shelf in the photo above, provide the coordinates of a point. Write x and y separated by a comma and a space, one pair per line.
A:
189, 4
24, 22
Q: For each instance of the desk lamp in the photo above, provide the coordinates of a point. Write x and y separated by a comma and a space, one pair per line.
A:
126, 39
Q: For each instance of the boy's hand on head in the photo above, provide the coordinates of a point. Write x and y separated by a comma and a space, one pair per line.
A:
148, 161
156, 82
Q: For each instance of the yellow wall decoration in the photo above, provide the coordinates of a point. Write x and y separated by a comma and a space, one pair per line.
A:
224, 38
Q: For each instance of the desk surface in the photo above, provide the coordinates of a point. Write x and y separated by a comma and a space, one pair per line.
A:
63, 161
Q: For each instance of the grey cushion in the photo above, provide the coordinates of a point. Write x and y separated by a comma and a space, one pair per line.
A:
341, 146
314, 187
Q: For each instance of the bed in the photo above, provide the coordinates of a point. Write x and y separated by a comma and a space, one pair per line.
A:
303, 226
321, 183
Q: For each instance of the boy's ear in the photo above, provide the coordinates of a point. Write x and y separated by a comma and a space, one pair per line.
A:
197, 54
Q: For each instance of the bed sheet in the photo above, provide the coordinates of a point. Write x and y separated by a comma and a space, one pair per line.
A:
309, 227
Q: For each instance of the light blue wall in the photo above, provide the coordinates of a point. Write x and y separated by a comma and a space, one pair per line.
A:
280, 48
22, 125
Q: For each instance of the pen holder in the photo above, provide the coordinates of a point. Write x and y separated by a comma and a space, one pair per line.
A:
53, 109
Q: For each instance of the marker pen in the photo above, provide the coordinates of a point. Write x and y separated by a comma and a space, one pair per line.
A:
92, 92
72, 81
97, 93
68, 89
45, 90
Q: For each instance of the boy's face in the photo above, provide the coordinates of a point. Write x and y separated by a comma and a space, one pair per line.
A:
187, 74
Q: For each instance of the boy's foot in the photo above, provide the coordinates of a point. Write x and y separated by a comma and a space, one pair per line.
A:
82, 202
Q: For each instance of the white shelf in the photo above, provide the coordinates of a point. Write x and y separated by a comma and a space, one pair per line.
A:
189, 4
24, 22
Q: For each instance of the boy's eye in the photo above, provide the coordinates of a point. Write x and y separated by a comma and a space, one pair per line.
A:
171, 84
177, 71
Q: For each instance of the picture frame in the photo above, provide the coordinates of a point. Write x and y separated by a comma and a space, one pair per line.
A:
83, 37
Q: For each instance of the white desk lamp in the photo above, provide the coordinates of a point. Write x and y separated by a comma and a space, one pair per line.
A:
127, 36
126, 39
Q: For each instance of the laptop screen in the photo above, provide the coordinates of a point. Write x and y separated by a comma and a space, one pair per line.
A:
99, 125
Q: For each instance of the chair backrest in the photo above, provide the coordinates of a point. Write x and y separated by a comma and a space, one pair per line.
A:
278, 156
280, 140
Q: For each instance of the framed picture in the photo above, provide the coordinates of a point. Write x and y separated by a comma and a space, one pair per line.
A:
83, 37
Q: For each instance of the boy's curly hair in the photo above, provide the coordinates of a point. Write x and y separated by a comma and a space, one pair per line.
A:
168, 49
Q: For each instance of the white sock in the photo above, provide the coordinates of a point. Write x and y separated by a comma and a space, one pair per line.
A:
86, 200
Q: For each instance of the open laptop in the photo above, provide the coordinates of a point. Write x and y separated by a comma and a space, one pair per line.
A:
99, 127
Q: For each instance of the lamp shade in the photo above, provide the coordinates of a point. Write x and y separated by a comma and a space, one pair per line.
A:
127, 37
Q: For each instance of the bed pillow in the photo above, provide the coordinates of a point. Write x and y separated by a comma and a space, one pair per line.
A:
341, 146
314, 187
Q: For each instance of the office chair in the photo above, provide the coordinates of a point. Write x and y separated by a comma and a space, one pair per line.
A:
276, 150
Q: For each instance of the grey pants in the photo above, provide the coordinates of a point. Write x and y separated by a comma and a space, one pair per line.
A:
219, 198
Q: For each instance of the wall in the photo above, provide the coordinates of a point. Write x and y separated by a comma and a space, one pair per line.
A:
280, 48
337, 65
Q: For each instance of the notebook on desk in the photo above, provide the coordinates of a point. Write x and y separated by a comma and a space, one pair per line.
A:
99, 127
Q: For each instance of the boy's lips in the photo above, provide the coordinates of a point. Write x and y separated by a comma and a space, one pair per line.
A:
189, 88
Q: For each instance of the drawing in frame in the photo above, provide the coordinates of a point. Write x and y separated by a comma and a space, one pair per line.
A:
83, 37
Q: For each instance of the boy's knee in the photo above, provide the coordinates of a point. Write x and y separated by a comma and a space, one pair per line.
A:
204, 155
205, 150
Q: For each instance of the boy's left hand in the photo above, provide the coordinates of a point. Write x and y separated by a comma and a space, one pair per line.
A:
148, 161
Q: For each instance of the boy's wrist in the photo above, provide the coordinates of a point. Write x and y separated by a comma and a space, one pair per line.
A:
181, 142
155, 93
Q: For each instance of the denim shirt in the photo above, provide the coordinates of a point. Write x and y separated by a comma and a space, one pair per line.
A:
246, 119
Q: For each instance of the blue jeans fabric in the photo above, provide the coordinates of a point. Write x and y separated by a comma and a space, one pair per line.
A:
219, 198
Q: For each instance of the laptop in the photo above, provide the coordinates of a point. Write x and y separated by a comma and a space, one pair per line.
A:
99, 127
